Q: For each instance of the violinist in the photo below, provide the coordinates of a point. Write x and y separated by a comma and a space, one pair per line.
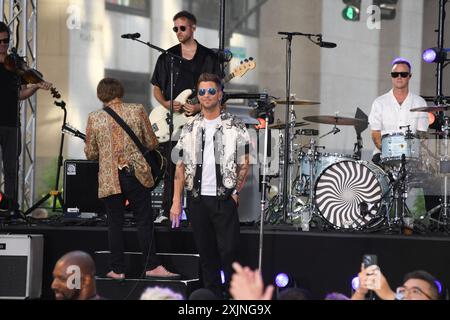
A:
10, 94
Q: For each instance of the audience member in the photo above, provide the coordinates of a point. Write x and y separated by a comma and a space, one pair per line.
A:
158, 293
417, 285
295, 294
74, 277
247, 284
204, 294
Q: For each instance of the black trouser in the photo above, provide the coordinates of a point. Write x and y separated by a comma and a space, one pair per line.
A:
10, 142
168, 183
139, 198
215, 225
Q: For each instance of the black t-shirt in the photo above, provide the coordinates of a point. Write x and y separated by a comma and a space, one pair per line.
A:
186, 73
9, 99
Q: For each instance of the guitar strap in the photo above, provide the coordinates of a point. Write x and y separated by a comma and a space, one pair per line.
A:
127, 129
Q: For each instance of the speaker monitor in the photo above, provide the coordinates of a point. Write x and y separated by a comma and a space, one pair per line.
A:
21, 259
81, 188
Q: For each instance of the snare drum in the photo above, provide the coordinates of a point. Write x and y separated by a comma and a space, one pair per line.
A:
394, 145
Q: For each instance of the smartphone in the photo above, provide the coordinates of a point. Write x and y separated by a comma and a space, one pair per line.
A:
370, 260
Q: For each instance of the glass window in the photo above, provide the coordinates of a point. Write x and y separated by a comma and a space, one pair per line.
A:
137, 7
208, 14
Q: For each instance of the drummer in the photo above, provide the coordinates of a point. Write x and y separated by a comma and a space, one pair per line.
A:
392, 110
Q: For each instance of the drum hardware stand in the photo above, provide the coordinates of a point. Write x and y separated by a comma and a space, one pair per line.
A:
358, 147
312, 156
333, 131
443, 219
400, 194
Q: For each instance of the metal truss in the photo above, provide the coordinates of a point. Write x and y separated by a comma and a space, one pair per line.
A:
21, 17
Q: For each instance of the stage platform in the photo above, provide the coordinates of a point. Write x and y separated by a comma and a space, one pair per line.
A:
321, 261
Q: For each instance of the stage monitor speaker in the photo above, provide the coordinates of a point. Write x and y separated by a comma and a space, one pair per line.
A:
21, 259
81, 188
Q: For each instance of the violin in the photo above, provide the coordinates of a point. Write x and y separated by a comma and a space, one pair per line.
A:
16, 64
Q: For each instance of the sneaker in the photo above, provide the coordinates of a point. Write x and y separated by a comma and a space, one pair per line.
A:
115, 276
161, 273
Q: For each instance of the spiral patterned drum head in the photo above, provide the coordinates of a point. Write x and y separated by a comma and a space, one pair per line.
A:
343, 186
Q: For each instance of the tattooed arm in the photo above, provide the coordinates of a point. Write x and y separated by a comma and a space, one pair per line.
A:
242, 173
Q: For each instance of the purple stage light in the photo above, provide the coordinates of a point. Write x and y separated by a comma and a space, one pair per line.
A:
429, 55
282, 280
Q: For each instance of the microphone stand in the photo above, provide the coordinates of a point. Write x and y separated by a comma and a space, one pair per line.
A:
287, 134
358, 147
169, 150
268, 113
55, 193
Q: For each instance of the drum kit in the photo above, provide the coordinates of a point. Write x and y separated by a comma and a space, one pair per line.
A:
341, 191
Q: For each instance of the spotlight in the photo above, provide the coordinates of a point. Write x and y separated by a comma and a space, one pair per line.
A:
4, 202
439, 286
222, 276
282, 280
355, 283
436, 55
262, 124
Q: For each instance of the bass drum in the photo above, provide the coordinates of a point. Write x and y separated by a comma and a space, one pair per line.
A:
346, 188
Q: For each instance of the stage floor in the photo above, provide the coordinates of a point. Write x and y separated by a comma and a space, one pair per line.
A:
321, 261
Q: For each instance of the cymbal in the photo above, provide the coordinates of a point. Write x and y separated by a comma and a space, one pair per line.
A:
283, 126
342, 121
431, 109
298, 102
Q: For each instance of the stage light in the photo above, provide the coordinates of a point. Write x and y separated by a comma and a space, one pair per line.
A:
4, 202
222, 276
352, 10
439, 286
282, 280
261, 125
355, 283
431, 118
435, 55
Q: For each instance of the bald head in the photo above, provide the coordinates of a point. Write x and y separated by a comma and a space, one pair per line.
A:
78, 258
74, 277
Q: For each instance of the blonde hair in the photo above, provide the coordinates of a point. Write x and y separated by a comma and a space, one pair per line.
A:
158, 293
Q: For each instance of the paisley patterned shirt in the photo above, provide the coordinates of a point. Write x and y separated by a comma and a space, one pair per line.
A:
108, 143
231, 143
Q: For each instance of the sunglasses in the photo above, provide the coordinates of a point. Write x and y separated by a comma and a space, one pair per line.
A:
402, 74
182, 28
211, 91
5, 41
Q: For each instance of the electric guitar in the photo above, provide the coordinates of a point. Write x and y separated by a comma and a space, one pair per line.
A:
159, 117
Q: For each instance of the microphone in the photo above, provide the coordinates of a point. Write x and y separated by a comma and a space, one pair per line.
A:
329, 45
131, 36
